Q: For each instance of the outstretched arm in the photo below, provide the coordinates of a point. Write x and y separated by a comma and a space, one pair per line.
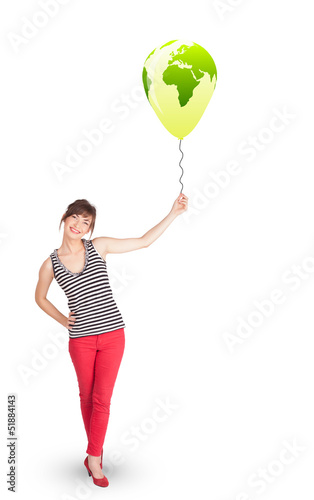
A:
179, 206
117, 245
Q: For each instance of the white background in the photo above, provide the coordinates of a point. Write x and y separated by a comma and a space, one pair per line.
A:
234, 409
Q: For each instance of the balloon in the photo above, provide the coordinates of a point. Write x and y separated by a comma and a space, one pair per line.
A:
179, 79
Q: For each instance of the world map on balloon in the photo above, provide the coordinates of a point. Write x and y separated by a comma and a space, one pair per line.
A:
179, 79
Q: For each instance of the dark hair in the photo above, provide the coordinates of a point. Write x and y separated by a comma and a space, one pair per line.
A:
81, 207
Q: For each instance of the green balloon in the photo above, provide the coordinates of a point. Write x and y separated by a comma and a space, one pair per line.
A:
179, 79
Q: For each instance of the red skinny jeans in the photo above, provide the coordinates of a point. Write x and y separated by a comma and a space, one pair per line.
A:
96, 359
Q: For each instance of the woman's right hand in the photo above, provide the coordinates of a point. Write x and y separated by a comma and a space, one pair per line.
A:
69, 321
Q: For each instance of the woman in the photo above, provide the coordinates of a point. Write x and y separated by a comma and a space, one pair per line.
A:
94, 323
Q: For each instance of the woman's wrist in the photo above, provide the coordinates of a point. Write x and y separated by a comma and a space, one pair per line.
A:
64, 321
172, 214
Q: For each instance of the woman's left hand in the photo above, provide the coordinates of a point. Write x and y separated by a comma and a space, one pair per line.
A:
180, 204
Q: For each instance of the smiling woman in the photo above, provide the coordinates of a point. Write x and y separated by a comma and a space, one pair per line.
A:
96, 331
81, 209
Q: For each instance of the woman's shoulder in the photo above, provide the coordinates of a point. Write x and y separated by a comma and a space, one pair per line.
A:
98, 243
47, 267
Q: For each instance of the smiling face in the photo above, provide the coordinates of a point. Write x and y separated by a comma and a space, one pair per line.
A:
76, 226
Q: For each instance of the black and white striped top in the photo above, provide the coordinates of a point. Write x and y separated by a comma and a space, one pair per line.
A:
89, 294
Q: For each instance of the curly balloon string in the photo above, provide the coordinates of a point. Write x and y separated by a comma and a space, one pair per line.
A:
180, 165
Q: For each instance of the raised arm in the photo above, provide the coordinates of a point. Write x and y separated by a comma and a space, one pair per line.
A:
107, 245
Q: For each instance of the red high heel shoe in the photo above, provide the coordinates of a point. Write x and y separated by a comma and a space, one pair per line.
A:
99, 482
102, 451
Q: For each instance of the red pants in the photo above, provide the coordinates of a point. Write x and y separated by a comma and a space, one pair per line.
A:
96, 359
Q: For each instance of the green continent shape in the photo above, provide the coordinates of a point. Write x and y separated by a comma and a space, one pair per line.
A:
199, 60
184, 81
146, 81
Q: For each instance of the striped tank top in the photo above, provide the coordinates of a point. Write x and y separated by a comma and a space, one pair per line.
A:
89, 294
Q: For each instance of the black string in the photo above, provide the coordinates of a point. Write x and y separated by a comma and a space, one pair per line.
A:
180, 165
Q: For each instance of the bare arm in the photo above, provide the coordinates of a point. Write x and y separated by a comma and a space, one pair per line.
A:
157, 230
44, 281
117, 245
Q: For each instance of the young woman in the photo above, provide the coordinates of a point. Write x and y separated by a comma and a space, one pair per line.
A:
94, 323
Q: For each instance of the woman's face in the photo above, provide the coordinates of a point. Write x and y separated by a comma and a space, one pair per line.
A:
76, 226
